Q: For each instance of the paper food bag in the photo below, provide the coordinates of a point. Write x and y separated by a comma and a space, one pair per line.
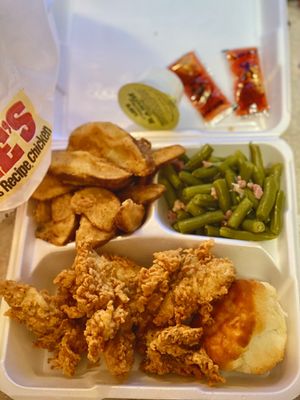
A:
28, 73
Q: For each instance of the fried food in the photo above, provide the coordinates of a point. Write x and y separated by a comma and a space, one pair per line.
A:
88, 235
63, 224
249, 331
42, 211
50, 187
167, 154
177, 349
99, 205
107, 140
130, 216
143, 194
84, 169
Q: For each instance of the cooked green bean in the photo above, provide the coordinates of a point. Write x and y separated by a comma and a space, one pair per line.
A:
192, 224
187, 178
267, 201
169, 172
190, 191
205, 200
203, 154
245, 235
223, 194
276, 170
248, 193
211, 230
277, 213
230, 178
229, 162
205, 172
246, 170
181, 214
194, 209
240, 213
253, 225
256, 158
169, 194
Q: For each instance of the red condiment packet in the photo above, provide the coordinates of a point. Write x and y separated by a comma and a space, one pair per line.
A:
249, 89
200, 88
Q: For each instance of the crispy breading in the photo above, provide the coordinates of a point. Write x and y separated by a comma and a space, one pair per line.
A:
88, 234
177, 349
130, 216
99, 205
102, 326
119, 353
50, 187
142, 194
85, 169
166, 154
107, 140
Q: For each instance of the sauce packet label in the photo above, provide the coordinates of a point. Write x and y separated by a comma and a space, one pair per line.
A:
25, 143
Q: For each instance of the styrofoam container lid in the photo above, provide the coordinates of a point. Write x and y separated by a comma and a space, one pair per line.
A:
104, 45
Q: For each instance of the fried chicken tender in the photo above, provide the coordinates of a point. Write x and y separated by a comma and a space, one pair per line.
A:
101, 327
177, 349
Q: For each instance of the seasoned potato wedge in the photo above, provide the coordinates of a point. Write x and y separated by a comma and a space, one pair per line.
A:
99, 205
130, 216
42, 211
88, 234
58, 233
167, 154
107, 140
61, 207
50, 187
83, 168
143, 194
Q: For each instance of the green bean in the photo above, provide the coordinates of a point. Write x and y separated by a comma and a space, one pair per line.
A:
248, 193
267, 201
182, 214
205, 200
223, 194
187, 178
203, 154
230, 178
175, 226
277, 213
240, 213
194, 209
169, 194
256, 157
205, 172
192, 224
253, 225
246, 170
190, 191
229, 162
241, 158
276, 170
211, 230
244, 235
184, 158
169, 172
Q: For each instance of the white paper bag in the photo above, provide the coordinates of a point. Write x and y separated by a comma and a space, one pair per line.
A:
28, 74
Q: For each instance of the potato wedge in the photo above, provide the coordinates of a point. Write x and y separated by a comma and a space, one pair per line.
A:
142, 194
99, 205
130, 216
42, 211
50, 187
58, 233
88, 234
166, 154
61, 207
107, 140
83, 168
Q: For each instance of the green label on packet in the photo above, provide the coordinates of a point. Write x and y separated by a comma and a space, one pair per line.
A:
148, 106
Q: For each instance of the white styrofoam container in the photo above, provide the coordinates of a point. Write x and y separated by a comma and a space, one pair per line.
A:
104, 45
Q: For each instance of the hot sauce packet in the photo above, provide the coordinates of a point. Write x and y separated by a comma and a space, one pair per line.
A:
249, 90
200, 88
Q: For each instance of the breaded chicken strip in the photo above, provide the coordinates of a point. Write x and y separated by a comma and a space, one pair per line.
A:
177, 349
41, 314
